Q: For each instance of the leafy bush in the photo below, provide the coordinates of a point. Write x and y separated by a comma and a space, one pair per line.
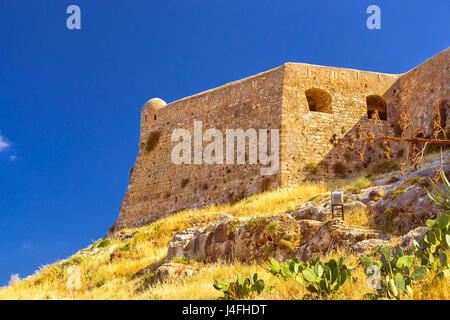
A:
74, 260
311, 167
242, 289
347, 156
325, 279
394, 278
339, 169
100, 283
397, 193
152, 140
184, 182
290, 268
385, 167
273, 226
103, 243
182, 260
391, 213
124, 248
149, 277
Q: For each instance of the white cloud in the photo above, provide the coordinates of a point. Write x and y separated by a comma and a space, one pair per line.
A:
3, 143
13, 158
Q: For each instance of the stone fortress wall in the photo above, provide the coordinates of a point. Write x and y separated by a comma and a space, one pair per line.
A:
310, 105
158, 187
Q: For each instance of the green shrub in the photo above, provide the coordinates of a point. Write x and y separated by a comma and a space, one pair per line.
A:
184, 182
354, 190
391, 213
432, 148
339, 169
311, 167
255, 222
242, 289
103, 243
152, 140
318, 197
74, 260
149, 277
362, 183
273, 226
124, 248
375, 196
100, 283
182, 260
385, 167
422, 182
347, 156
397, 193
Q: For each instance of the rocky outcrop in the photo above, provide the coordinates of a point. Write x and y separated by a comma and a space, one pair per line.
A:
396, 200
406, 204
335, 234
244, 240
280, 237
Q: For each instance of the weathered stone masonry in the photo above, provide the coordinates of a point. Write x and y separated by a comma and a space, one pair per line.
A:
311, 105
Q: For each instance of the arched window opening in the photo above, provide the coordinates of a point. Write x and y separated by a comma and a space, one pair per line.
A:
376, 103
154, 117
319, 100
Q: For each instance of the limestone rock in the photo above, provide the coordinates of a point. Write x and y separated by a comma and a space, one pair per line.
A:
367, 247
280, 237
174, 270
115, 255
336, 235
318, 213
416, 234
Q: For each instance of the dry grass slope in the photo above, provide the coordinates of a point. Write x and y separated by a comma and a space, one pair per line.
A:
102, 278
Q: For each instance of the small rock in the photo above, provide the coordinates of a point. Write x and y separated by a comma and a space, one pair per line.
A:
366, 247
174, 270
115, 255
416, 234
375, 195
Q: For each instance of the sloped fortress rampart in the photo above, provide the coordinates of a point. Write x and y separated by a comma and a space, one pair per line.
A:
312, 106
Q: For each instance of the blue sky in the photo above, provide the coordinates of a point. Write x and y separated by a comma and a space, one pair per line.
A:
70, 100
